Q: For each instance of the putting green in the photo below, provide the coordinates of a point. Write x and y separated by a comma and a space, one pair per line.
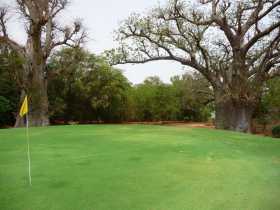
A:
138, 167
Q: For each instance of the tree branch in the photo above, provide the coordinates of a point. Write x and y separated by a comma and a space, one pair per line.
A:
260, 35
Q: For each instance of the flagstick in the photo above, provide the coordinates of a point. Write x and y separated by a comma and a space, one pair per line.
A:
28, 150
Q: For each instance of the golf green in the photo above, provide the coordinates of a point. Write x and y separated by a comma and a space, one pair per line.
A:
138, 167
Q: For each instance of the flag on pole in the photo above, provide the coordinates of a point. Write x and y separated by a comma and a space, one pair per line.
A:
24, 112
24, 107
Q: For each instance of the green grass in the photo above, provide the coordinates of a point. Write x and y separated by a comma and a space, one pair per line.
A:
138, 167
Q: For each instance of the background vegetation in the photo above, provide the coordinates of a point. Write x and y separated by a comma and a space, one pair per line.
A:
83, 87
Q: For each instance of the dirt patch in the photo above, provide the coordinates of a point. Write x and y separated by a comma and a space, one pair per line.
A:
193, 125
178, 124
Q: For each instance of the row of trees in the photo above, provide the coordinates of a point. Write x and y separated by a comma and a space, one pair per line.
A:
188, 97
84, 87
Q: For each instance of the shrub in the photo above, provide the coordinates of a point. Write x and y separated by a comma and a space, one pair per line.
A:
276, 131
6, 115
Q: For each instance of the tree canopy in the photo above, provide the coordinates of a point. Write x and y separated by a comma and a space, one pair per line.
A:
233, 44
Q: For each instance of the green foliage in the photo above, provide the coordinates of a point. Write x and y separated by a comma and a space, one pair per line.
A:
5, 110
106, 89
276, 131
271, 98
10, 66
4, 105
83, 87
155, 100
186, 98
195, 97
269, 109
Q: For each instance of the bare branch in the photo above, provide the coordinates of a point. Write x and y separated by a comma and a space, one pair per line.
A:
72, 37
261, 34
4, 38
3, 21
12, 44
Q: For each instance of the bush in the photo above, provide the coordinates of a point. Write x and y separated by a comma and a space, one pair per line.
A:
6, 116
276, 131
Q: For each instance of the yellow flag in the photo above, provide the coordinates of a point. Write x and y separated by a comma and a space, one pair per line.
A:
24, 107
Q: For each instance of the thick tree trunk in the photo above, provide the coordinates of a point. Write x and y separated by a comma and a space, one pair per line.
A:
38, 99
233, 115
36, 83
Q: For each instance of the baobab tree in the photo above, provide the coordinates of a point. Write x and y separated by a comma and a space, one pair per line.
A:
234, 44
44, 34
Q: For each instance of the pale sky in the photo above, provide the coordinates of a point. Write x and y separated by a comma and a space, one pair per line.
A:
101, 18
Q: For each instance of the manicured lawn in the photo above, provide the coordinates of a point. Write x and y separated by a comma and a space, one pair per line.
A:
138, 167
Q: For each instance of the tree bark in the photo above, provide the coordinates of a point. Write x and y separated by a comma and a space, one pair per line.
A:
235, 115
38, 99
38, 115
